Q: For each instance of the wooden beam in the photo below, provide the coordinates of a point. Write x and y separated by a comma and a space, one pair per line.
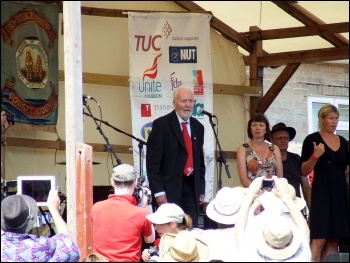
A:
96, 147
307, 18
277, 86
298, 31
220, 26
123, 81
304, 56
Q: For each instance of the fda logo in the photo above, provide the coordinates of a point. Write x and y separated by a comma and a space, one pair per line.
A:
183, 54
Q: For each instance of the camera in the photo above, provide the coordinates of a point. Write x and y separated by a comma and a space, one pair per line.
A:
153, 251
268, 184
140, 192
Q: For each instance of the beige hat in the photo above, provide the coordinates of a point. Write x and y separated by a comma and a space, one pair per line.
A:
183, 247
167, 213
124, 173
299, 202
279, 239
225, 206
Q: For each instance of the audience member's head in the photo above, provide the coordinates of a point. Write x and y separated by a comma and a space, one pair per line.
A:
94, 257
224, 208
170, 218
182, 247
279, 239
18, 214
299, 202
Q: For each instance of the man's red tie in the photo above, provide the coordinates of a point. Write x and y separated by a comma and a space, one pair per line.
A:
188, 142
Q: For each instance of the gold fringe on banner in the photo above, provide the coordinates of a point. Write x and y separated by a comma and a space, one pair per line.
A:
30, 127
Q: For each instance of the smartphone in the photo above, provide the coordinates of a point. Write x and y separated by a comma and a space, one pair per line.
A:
268, 184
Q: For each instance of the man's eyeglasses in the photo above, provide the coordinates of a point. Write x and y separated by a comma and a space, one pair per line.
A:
286, 138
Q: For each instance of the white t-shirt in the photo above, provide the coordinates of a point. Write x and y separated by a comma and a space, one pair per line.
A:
222, 244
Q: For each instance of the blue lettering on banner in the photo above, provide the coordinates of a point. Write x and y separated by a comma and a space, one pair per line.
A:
183, 54
151, 87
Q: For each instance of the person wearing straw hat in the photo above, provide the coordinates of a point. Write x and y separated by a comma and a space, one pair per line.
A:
18, 216
224, 210
281, 135
182, 247
277, 238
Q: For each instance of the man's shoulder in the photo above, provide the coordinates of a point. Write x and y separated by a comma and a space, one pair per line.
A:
196, 122
293, 155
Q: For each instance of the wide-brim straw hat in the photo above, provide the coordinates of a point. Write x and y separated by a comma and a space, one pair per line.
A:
279, 239
224, 208
182, 247
299, 202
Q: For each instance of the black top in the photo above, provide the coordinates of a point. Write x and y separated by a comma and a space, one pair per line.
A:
329, 211
292, 171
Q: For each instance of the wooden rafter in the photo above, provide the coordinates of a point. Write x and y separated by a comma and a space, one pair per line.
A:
298, 31
304, 56
307, 18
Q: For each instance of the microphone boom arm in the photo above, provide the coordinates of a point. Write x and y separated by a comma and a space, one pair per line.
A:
141, 142
108, 146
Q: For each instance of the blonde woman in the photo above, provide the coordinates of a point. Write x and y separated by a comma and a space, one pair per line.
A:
169, 218
327, 154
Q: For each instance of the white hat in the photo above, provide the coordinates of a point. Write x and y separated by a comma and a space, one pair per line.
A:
124, 173
224, 207
182, 247
279, 239
299, 202
167, 213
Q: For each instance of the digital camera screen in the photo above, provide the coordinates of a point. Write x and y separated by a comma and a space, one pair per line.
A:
37, 189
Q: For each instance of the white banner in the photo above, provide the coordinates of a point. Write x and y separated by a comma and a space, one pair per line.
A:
167, 50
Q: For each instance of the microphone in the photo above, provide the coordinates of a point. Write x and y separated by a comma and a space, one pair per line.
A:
88, 97
206, 113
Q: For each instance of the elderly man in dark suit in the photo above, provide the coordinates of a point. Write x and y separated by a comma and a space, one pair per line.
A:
175, 164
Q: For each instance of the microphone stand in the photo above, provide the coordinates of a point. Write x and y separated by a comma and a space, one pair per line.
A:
140, 145
221, 159
108, 147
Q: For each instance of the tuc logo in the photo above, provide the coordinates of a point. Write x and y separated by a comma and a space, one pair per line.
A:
146, 129
151, 43
183, 54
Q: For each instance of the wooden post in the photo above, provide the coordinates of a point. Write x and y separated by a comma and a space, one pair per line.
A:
74, 108
256, 73
83, 157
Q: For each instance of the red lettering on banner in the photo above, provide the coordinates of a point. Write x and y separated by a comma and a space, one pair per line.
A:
23, 17
30, 110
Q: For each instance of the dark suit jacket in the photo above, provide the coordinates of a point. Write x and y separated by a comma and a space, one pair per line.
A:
166, 157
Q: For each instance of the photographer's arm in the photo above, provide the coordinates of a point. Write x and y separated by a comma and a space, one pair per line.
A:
281, 190
4, 123
251, 193
53, 203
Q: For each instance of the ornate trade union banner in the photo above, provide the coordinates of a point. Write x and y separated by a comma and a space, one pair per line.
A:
167, 50
29, 63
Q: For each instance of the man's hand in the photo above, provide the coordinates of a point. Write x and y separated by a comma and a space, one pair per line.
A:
161, 200
201, 199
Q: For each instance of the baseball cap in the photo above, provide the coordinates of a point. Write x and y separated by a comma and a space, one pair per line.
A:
124, 173
167, 213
